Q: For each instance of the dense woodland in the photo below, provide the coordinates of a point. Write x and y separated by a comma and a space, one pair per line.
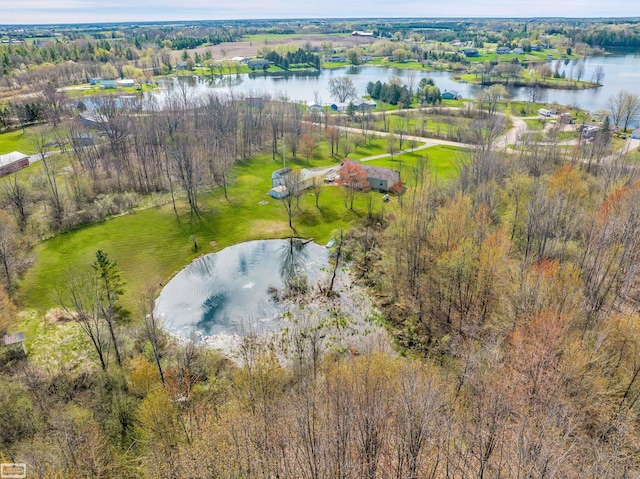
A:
507, 342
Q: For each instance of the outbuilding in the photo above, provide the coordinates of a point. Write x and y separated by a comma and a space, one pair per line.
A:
314, 107
278, 192
635, 134
125, 82
278, 176
451, 95
12, 162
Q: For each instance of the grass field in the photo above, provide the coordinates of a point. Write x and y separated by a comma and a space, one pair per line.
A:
17, 140
534, 125
92, 90
439, 125
151, 245
273, 38
443, 162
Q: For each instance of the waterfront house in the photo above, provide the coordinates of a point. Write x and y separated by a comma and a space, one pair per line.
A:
451, 95
503, 50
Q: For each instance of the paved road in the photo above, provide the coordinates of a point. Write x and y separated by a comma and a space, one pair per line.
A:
38, 156
511, 137
426, 143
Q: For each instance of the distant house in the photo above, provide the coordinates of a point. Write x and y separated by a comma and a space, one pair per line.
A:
362, 104
451, 95
104, 84
536, 48
125, 82
471, 52
635, 134
382, 179
503, 50
314, 107
359, 104
518, 50
13, 161
94, 81
366, 58
83, 139
259, 64
358, 33
91, 119
566, 118
335, 59
340, 106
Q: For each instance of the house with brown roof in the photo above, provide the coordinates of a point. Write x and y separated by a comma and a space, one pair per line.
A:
382, 179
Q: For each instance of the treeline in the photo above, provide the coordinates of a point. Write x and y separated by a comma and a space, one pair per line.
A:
60, 51
392, 92
299, 57
180, 43
117, 151
611, 36
127, 47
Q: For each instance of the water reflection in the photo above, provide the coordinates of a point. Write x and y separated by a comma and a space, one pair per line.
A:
621, 73
224, 292
292, 271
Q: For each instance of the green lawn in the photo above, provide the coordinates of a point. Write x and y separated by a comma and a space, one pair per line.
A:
17, 140
150, 246
531, 57
226, 69
568, 135
534, 125
92, 90
442, 161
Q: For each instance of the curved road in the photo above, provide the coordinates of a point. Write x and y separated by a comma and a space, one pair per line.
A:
511, 137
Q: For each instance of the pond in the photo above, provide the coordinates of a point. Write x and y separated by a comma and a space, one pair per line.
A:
622, 72
229, 293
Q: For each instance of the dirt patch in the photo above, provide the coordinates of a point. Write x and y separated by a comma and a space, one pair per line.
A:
269, 228
57, 315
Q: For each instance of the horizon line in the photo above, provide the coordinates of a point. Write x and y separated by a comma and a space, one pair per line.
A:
274, 19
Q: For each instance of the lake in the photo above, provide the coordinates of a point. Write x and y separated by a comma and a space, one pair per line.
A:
227, 293
622, 72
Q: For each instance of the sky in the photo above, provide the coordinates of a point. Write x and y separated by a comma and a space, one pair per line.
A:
81, 11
